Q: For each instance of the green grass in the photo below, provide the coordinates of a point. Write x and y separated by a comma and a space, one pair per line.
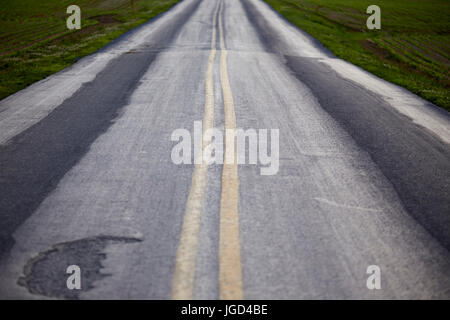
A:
35, 42
412, 49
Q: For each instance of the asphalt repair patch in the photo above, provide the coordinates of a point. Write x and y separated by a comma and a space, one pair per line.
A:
46, 274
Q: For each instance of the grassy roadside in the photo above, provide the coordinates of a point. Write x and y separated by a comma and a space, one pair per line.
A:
412, 49
35, 42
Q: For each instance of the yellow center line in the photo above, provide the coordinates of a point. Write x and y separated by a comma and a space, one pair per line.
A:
230, 270
184, 274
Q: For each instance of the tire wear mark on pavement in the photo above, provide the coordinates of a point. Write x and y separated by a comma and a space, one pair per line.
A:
33, 162
346, 206
414, 160
46, 274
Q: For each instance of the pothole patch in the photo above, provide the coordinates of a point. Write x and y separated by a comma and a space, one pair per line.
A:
46, 273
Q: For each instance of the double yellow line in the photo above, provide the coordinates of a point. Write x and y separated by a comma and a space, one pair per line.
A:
230, 270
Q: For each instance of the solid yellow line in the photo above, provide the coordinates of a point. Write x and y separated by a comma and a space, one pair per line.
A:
184, 274
230, 270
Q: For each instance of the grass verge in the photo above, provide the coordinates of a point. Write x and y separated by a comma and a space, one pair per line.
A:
412, 49
35, 42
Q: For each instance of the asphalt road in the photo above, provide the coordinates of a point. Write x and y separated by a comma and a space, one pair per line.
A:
87, 178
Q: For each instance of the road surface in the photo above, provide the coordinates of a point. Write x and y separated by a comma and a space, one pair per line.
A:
87, 176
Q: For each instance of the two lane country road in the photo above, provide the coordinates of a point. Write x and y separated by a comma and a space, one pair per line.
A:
87, 178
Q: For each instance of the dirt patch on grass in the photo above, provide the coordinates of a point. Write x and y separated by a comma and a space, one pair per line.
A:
372, 47
349, 22
385, 55
30, 44
76, 35
103, 21
107, 19
432, 55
